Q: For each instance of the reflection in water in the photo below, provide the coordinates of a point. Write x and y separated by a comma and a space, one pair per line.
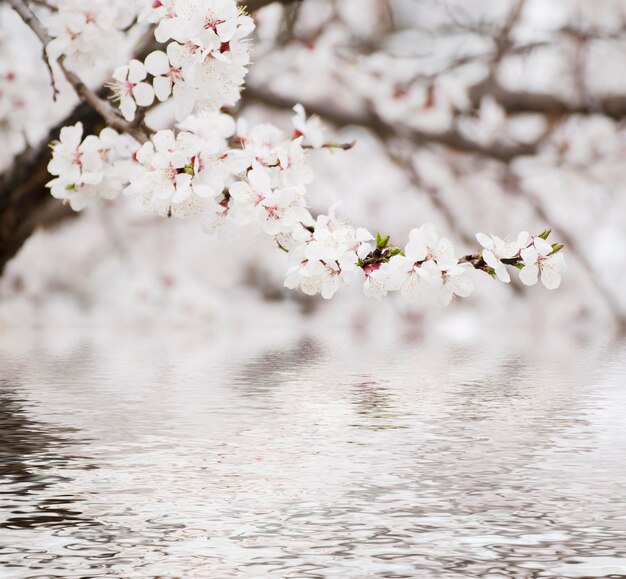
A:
183, 456
31, 460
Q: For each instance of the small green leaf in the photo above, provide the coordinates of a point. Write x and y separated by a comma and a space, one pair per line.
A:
556, 247
382, 242
394, 251
545, 234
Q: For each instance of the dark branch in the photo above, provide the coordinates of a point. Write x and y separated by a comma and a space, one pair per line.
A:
25, 202
518, 102
343, 117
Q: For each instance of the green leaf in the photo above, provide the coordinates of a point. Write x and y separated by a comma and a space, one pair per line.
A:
395, 251
556, 247
382, 242
545, 234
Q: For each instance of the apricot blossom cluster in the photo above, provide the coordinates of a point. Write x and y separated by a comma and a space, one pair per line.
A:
219, 172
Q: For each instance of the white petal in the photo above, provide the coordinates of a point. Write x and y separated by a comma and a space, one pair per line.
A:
241, 191
144, 94
550, 277
136, 71
162, 87
128, 108
163, 140
528, 275
260, 180
361, 233
522, 239
157, 63
490, 259
530, 255
166, 29
502, 273
71, 136
557, 262
416, 249
461, 285
542, 246
430, 234
121, 73
485, 241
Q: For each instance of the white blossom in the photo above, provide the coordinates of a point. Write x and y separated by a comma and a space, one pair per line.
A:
224, 173
88, 33
425, 244
209, 25
177, 177
276, 209
130, 89
333, 241
413, 277
316, 277
496, 249
379, 281
89, 168
166, 70
311, 129
539, 263
456, 282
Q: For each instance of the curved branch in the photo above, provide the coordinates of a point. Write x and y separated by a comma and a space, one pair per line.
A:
343, 117
102, 107
518, 102
25, 202
387, 132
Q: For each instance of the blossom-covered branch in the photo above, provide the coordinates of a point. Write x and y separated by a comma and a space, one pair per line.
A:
220, 173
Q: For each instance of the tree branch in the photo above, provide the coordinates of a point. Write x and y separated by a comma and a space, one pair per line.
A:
25, 202
518, 102
387, 132
102, 107
450, 138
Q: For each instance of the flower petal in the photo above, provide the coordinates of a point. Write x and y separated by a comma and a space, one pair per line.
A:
542, 246
550, 277
485, 241
162, 87
157, 63
528, 275
136, 71
144, 94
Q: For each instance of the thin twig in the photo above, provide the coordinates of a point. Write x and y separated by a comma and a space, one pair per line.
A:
102, 107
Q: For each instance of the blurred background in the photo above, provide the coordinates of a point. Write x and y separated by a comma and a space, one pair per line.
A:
475, 115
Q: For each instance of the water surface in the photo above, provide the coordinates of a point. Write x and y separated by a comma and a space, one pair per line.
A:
266, 455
